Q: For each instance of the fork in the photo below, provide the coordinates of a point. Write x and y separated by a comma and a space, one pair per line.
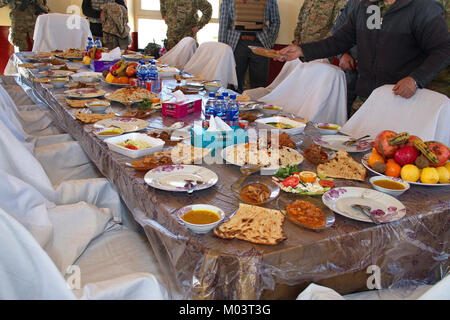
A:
353, 141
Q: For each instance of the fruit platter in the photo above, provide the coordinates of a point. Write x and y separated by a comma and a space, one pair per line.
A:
407, 157
292, 180
121, 73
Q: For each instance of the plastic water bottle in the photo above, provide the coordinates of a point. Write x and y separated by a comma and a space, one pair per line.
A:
226, 98
90, 44
210, 105
233, 111
153, 77
97, 43
141, 74
220, 108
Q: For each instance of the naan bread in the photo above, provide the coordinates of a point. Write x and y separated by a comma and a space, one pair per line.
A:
254, 224
344, 167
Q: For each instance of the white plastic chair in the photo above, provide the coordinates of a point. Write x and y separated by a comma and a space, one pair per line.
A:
179, 55
57, 31
214, 61
426, 114
315, 90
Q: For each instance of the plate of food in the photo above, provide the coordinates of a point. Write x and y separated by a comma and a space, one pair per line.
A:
84, 93
307, 212
93, 117
257, 190
243, 154
407, 156
137, 57
284, 124
71, 54
166, 72
337, 142
126, 124
342, 166
292, 180
86, 76
130, 95
348, 201
54, 73
179, 178
134, 145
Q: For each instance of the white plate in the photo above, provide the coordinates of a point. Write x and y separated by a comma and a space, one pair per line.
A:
137, 57
54, 73
167, 72
87, 76
366, 164
336, 142
120, 85
85, 93
156, 145
172, 177
340, 200
126, 124
298, 126
265, 170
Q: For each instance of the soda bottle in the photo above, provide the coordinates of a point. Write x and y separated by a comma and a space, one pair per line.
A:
98, 43
90, 44
233, 111
141, 74
210, 105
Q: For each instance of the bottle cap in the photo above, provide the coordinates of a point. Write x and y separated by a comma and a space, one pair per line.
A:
220, 97
212, 95
225, 94
232, 96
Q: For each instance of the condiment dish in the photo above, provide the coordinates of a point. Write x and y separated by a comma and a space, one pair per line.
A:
392, 192
200, 228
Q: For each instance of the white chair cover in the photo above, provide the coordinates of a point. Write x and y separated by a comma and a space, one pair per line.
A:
426, 115
440, 291
214, 61
316, 91
180, 54
26, 271
72, 32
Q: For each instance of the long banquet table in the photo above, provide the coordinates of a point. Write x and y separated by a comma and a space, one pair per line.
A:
413, 250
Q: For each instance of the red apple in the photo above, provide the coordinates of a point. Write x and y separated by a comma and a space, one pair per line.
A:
382, 146
406, 155
441, 151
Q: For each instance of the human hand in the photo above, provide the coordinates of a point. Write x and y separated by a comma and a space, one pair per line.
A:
405, 88
102, 15
347, 62
290, 52
195, 29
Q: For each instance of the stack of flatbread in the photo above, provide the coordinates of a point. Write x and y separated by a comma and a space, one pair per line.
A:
93, 117
344, 167
254, 224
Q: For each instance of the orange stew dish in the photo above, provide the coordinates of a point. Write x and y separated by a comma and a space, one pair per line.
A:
306, 214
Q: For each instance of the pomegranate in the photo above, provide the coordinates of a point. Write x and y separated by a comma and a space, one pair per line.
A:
382, 146
411, 139
441, 151
406, 155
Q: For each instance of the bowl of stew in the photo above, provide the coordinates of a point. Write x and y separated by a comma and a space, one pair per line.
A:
200, 218
390, 185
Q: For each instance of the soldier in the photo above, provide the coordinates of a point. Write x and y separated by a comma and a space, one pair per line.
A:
315, 19
92, 9
116, 32
182, 19
23, 16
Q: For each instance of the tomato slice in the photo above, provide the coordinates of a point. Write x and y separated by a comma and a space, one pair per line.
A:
297, 173
326, 183
131, 147
291, 182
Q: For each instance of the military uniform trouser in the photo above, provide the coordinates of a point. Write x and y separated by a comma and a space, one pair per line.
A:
20, 32
110, 41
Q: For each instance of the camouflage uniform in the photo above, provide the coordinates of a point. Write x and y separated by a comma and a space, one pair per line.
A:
116, 32
181, 16
442, 81
316, 18
23, 16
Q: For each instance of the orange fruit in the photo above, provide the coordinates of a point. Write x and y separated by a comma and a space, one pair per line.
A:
154, 100
115, 80
374, 157
123, 80
393, 169
308, 176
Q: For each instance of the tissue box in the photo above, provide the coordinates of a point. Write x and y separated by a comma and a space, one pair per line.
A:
214, 139
181, 109
100, 66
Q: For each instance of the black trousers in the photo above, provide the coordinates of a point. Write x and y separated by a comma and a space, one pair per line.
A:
258, 65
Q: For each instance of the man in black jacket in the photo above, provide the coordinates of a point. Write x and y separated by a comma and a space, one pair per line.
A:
408, 48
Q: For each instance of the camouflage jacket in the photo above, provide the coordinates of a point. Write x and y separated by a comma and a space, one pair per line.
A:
182, 14
40, 6
316, 18
115, 20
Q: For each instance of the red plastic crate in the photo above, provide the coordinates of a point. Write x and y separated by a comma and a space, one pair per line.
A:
181, 109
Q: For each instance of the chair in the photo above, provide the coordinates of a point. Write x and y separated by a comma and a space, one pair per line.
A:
72, 32
214, 61
426, 115
179, 55
314, 90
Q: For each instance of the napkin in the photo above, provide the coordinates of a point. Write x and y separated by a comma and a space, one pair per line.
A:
178, 96
114, 54
217, 124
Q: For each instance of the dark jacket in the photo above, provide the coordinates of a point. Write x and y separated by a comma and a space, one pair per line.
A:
413, 41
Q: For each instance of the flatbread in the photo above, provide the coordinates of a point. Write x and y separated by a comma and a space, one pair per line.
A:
254, 224
344, 167
80, 103
93, 117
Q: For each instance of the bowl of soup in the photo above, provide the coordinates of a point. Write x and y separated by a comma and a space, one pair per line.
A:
390, 185
59, 82
104, 133
201, 218
98, 106
327, 128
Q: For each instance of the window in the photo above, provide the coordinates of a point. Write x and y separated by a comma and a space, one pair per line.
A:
151, 27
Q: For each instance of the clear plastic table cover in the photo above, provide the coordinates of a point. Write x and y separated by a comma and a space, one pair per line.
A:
409, 252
